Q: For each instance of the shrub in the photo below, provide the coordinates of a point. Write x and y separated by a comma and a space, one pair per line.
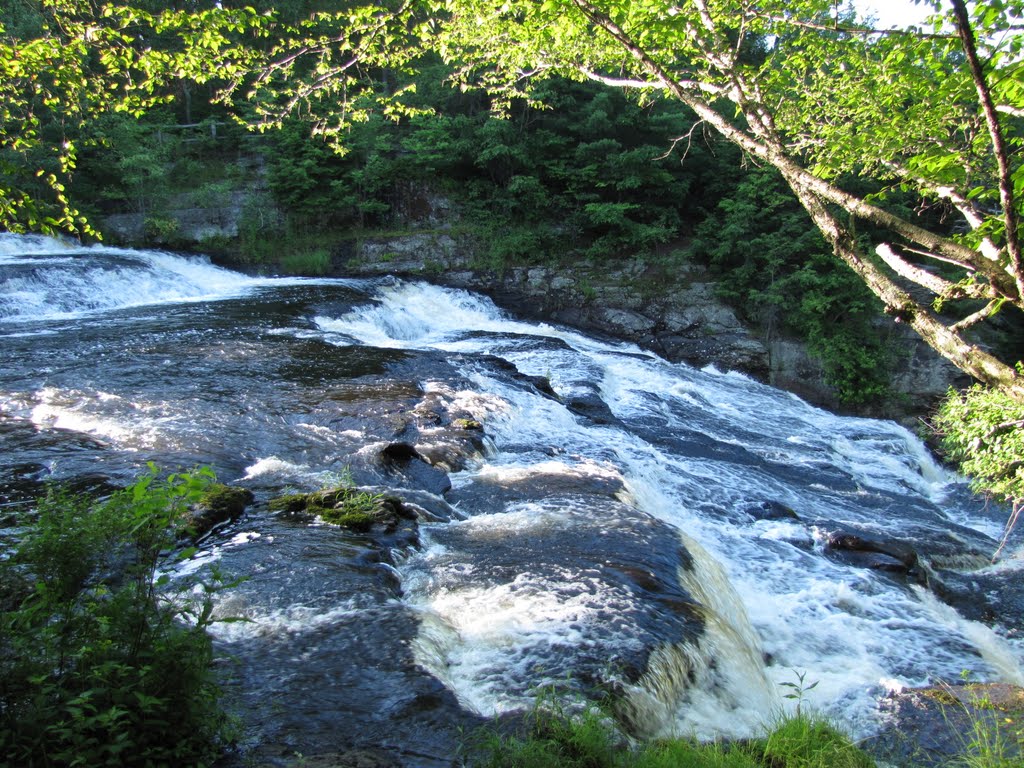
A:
983, 430
101, 663
314, 262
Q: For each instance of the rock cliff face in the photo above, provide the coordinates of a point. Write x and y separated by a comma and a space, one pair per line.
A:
673, 311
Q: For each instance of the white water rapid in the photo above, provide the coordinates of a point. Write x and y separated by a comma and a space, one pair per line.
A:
697, 450
642, 527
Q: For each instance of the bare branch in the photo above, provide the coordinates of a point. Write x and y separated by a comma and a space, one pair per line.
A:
937, 285
856, 29
617, 82
973, 319
688, 136
943, 259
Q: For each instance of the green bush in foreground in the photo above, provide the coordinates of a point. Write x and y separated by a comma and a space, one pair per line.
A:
100, 664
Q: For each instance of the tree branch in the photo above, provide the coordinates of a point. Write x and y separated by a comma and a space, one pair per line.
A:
617, 82
973, 319
898, 303
775, 155
1006, 196
937, 285
853, 29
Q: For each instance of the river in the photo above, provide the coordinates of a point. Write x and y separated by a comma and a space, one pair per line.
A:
679, 538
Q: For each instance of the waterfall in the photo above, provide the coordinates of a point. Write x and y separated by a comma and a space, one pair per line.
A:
623, 525
697, 450
47, 279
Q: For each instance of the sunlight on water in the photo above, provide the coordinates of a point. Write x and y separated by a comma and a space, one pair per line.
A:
49, 279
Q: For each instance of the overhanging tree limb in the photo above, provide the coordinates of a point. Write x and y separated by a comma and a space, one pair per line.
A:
999, 149
761, 140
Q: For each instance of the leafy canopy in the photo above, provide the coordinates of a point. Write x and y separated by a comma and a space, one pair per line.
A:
799, 85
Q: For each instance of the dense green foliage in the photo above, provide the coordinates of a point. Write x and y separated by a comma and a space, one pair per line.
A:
983, 430
556, 740
779, 272
102, 661
592, 176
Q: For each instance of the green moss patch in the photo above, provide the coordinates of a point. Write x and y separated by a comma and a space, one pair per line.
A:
342, 506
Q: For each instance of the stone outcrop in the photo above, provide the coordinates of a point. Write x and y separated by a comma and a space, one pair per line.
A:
220, 504
936, 726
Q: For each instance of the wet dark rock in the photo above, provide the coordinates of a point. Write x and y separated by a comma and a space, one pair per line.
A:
453, 453
729, 352
399, 453
542, 384
591, 406
992, 595
356, 758
376, 704
220, 504
405, 467
867, 552
771, 510
933, 727
428, 507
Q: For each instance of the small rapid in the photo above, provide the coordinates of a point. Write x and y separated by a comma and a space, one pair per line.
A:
589, 518
45, 279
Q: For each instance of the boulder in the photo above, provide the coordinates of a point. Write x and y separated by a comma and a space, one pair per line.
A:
406, 467
771, 510
868, 552
220, 504
935, 726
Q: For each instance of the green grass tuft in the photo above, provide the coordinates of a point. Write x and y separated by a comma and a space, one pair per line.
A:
555, 739
809, 741
312, 263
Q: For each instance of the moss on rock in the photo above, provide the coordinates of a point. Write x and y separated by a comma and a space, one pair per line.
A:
289, 503
219, 504
346, 507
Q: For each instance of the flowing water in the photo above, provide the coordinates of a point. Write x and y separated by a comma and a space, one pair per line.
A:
623, 524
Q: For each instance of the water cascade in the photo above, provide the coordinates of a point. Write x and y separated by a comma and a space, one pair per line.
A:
672, 536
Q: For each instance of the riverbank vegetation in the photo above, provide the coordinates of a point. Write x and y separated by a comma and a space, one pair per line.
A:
553, 738
103, 660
